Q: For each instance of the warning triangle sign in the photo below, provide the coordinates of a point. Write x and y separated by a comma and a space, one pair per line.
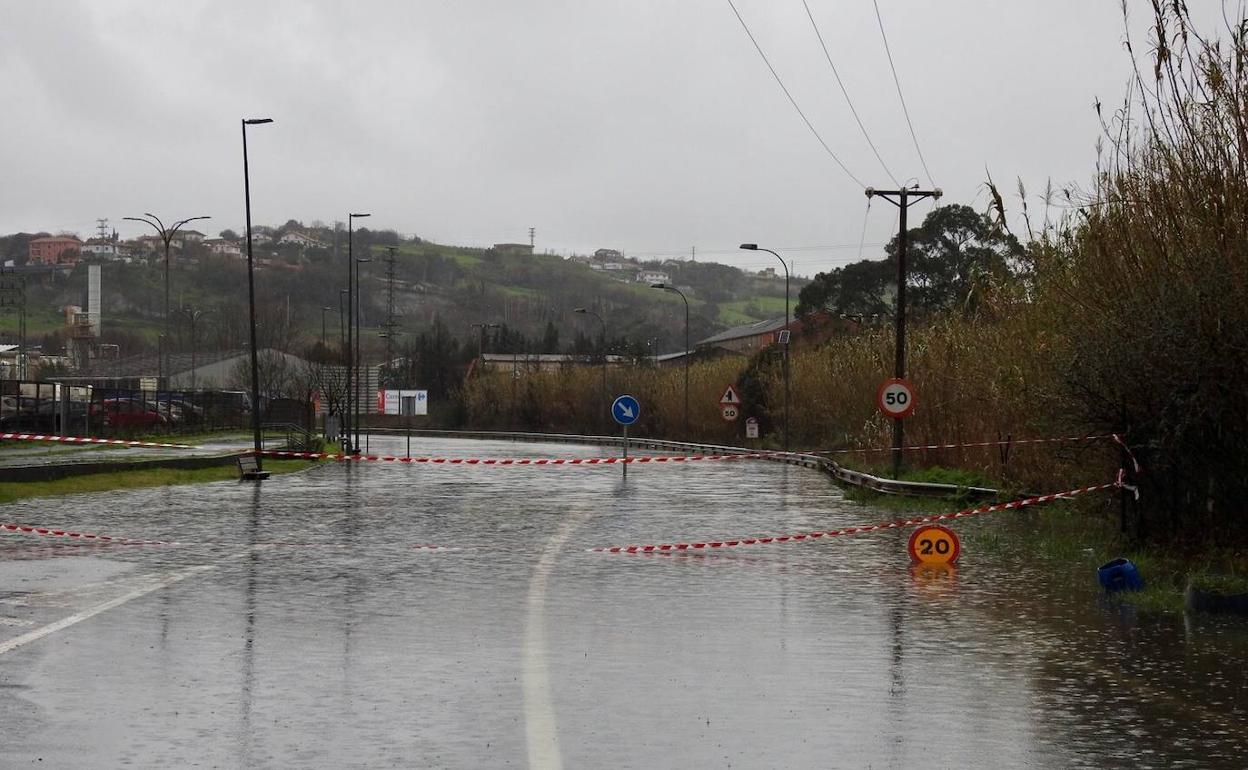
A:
730, 396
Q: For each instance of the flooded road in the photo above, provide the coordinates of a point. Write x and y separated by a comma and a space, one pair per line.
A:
296, 625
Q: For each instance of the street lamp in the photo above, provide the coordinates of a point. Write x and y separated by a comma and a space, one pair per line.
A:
324, 310
193, 316
251, 303
587, 311
359, 350
665, 287
160, 361
166, 235
352, 289
785, 265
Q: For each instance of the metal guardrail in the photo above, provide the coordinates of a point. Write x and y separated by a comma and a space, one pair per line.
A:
298, 438
831, 467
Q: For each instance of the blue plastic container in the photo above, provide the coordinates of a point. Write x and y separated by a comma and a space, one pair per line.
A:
1120, 575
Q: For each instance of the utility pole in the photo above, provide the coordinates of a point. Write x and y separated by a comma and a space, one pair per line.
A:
903, 199
693, 253
532, 233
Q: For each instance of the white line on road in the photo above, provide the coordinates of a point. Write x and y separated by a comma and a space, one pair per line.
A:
540, 727
78, 617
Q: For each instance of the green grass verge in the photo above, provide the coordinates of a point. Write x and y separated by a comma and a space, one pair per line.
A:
11, 491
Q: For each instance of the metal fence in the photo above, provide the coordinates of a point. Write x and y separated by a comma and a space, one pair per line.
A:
100, 410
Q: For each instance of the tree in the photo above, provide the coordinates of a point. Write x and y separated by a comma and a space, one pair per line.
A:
228, 234
953, 258
550, 340
861, 289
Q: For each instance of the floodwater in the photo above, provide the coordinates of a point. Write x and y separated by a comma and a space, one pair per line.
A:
295, 625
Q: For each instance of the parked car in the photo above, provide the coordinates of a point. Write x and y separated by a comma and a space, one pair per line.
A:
129, 414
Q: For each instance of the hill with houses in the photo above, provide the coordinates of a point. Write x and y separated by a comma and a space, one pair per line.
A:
505, 298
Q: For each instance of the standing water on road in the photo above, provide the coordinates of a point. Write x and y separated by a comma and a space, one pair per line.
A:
296, 624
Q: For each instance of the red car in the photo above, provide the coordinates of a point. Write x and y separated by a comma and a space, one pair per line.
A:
126, 414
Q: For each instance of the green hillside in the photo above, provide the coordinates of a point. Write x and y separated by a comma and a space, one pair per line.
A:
529, 294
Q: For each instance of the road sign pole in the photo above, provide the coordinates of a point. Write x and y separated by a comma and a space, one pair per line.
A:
626, 450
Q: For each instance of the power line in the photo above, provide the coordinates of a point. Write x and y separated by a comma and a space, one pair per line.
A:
792, 101
897, 82
845, 93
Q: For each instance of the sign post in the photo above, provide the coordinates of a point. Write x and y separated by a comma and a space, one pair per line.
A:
934, 544
625, 409
406, 403
751, 427
895, 398
730, 404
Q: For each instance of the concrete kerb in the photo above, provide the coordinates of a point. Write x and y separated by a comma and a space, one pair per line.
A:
50, 472
835, 470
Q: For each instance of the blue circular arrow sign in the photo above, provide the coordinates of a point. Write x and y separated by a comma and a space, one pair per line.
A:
626, 410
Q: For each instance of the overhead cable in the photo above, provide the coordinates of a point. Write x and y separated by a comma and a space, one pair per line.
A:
845, 93
897, 82
793, 101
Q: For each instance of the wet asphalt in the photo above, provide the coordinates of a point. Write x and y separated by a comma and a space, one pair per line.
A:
304, 622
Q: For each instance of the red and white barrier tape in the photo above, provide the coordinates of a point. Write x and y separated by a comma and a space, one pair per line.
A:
87, 440
809, 536
83, 536
90, 537
518, 461
971, 445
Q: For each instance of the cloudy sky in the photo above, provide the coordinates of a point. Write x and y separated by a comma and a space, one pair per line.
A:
647, 125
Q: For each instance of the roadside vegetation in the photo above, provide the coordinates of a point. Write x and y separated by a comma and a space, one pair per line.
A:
1122, 308
11, 491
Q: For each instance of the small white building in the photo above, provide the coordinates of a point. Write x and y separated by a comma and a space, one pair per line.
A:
100, 247
652, 276
300, 239
222, 247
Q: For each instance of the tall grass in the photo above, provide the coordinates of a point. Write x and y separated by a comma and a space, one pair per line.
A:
1129, 314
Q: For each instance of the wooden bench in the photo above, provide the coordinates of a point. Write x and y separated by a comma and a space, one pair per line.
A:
249, 468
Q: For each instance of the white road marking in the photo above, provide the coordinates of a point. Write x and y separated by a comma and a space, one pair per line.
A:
540, 727
78, 617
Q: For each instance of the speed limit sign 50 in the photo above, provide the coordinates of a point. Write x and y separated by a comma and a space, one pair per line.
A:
895, 398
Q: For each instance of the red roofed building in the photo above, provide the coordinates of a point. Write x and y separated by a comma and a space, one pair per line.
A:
55, 250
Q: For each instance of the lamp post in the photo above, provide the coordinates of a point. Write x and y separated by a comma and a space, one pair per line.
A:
665, 287
359, 351
166, 236
324, 310
350, 358
785, 265
251, 302
193, 316
587, 311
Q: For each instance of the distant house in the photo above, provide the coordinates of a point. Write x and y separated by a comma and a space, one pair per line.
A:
192, 236
100, 247
300, 239
54, 250
767, 272
652, 276
521, 363
224, 248
615, 266
751, 338
513, 249
608, 254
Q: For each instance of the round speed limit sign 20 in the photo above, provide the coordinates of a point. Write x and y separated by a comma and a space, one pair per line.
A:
895, 398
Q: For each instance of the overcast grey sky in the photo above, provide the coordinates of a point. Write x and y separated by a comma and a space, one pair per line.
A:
646, 125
